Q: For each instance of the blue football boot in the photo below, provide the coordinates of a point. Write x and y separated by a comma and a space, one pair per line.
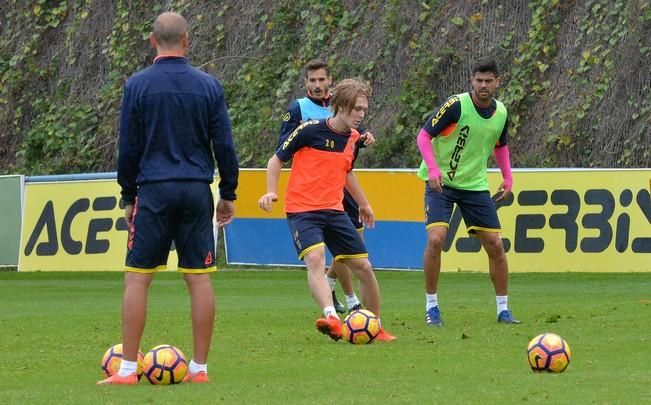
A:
433, 317
506, 317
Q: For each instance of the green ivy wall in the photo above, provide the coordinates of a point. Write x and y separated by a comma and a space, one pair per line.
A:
576, 74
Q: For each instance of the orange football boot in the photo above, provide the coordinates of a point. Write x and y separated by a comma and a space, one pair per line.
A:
196, 378
115, 379
384, 336
330, 326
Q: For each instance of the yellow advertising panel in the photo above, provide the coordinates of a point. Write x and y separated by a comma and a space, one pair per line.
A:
557, 220
74, 226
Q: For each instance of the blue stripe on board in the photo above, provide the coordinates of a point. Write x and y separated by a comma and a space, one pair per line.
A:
74, 177
391, 244
71, 177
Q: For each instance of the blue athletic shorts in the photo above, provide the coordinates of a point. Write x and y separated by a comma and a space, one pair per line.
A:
352, 210
477, 209
326, 227
172, 211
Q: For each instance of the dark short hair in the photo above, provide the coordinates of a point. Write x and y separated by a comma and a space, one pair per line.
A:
315, 64
483, 65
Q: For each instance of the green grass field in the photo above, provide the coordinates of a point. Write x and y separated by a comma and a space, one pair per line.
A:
55, 328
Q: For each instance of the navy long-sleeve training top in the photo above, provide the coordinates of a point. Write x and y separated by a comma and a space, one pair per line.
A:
173, 119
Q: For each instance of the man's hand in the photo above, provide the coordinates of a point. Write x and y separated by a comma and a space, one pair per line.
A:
265, 202
128, 214
368, 138
436, 184
505, 188
224, 212
366, 216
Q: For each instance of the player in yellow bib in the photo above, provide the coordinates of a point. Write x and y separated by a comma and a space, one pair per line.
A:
460, 137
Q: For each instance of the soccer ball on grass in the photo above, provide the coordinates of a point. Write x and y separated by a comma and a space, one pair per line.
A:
164, 365
549, 352
113, 357
361, 327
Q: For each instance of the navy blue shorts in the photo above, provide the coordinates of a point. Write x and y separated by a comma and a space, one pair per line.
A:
172, 211
326, 227
352, 210
477, 209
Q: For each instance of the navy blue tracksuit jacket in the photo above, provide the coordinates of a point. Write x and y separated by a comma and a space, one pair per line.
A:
174, 123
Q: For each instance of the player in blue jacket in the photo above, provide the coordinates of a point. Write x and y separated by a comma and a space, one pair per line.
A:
173, 126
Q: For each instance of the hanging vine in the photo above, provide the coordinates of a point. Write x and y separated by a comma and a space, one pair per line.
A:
60, 91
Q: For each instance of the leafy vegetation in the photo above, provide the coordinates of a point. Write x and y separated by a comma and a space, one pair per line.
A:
575, 75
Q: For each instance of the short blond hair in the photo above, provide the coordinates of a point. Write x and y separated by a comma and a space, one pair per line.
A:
345, 93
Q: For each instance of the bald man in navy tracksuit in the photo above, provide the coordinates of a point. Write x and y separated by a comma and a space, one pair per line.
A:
173, 126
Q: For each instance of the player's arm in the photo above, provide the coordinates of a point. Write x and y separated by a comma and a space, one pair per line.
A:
424, 141
366, 215
286, 150
130, 151
440, 123
291, 121
224, 151
366, 139
503, 158
274, 166
223, 147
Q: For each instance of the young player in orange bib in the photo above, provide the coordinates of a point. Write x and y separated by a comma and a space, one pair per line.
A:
323, 155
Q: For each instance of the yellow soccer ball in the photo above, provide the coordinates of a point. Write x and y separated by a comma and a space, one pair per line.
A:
361, 327
164, 365
549, 352
113, 357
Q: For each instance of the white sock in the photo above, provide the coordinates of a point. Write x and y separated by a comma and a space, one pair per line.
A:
127, 368
332, 282
330, 311
431, 301
351, 300
502, 303
194, 368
